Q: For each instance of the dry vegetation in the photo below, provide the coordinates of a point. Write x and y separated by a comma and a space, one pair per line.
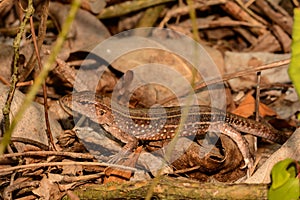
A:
46, 159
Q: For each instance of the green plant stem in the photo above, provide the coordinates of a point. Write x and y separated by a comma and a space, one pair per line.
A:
185, 111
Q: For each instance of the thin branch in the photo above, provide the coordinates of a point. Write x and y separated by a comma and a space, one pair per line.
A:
36, 165
37, 47
216, 80
14, 78
50, 153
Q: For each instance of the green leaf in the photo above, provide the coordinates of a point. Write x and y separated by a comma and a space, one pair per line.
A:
280, 174
288, 191
285, 184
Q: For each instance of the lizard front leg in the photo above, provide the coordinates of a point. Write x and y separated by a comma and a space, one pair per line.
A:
130, 141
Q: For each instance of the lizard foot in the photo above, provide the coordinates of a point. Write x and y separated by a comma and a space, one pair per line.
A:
123, 154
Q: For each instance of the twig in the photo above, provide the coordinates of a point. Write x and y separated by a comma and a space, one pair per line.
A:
72, 179
29, 141
19, 84
12, 31
14, 78
41, 33
226, 77
4, 81
251, 13
128, 7
257, 96
35, 165
26, 83
183, 10
17, 186
257, 101
239, 13
37, 46
11, 183
50, 153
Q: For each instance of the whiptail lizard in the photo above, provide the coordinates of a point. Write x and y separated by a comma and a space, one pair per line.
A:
129, 125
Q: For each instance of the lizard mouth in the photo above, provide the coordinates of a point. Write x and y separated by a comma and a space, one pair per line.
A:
66, 105
65, 108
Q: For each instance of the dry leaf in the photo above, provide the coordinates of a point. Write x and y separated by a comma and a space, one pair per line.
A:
247, 108
85, 33
48, 189
120, 175
240, 61
32, 125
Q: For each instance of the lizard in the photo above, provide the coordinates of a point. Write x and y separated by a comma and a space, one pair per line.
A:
129, 125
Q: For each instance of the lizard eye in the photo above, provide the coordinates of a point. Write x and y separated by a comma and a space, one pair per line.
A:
102, 112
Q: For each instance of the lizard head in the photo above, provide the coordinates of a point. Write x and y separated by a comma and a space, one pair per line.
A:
88, 104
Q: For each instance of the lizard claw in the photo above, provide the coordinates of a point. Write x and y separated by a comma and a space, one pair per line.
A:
118, 157
249, 164
124, 153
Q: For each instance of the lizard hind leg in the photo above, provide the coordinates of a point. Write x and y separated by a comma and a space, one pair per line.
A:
241, 143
